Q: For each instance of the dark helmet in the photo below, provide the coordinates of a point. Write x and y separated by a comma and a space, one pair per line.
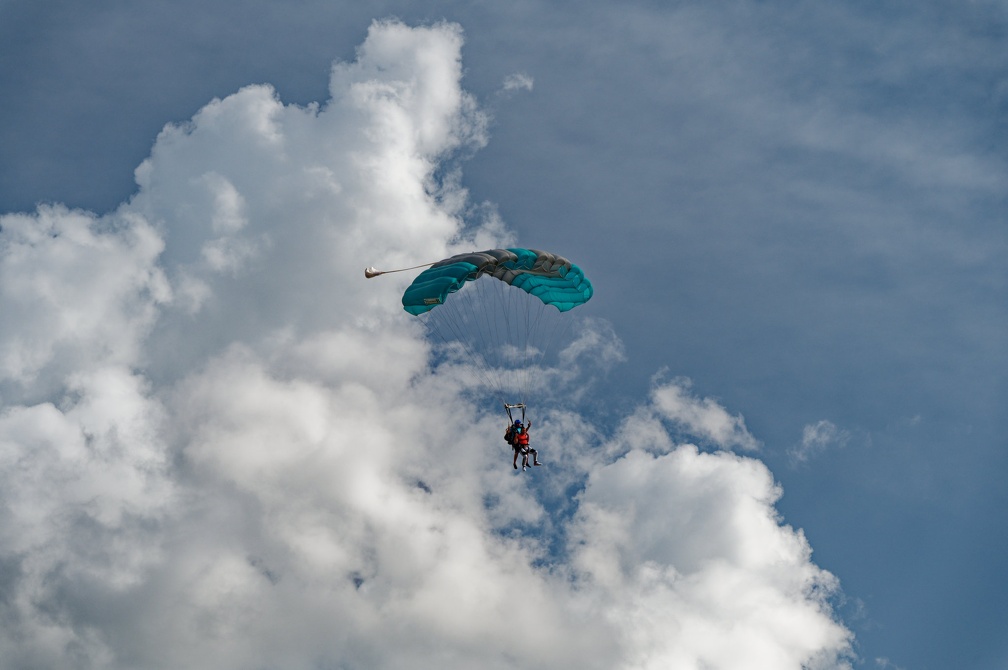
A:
517, 422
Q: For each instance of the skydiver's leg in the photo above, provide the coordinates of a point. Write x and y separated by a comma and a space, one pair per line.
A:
515, 462
535, 457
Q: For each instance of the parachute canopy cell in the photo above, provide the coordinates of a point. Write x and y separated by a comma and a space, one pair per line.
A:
551, 278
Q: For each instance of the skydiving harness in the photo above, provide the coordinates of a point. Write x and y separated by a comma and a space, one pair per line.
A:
509, 435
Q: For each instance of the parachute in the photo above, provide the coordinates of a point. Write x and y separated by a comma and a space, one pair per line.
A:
501, 310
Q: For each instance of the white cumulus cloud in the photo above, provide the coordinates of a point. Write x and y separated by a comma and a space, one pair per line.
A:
221, 446
694, 568
702, 418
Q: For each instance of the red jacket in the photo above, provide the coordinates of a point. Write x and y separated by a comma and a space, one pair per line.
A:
522, 438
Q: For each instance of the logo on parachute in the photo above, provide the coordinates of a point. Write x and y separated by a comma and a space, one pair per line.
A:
432, 301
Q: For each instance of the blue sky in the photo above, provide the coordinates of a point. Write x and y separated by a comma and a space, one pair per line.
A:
798, 208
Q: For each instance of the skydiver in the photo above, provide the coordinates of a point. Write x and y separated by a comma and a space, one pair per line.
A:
509, 436
520, 445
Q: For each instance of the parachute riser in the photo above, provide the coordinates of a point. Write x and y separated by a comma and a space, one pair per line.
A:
508, 407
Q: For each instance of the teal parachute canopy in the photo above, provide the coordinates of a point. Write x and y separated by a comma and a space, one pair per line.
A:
551, 278
494, 311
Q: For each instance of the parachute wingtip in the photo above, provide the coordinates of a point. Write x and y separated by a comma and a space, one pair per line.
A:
372, 272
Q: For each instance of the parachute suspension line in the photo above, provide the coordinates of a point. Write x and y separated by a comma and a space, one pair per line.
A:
481, 311
525, 353
499, 342
504, 304
450, 321
502, 315
506, 330
489, 333
526, 379
454, 321
504, 341
502, 329
522, 315
484, 313
532, 328
528, 349
463, 312
511, 339
522, 337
